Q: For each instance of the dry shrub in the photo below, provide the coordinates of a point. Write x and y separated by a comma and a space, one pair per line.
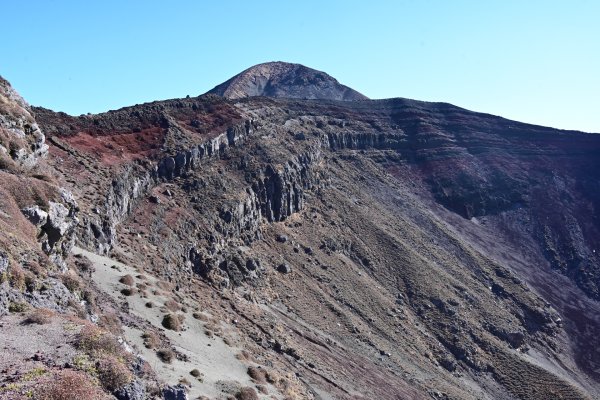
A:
151, 339
89, 297
172, 305
83, 264
39, 316
78, 308
111, 322
166, 355
257, 374
272, 377
173, 322
262, 389
128, 291
195, 373
200, 316
165, 286
70, 281
31, 282
112, 373
17, 277
69, 385
149, 304
247, 393
95, 341
185, 382
18, 307
127, 280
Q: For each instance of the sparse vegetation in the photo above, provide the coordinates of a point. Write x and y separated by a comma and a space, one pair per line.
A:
71, 281
195, 373
246, 393
127, 280
112, 373
94, 341
39, 316
17, 278
166, 355
259, 375
173, 322
128, 291
151, 339
18, 307
69, 385
172, 305
185, 382
200, 316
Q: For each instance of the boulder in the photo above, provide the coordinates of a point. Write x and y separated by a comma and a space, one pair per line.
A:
35, 215
135, 390
284, 268
177, 392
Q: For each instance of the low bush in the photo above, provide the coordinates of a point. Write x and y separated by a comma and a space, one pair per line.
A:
94, 341
151, 339
70, 281
166, 355
69, 385
127, 280
112, 373
39, 316
18, 307
257, 374
173, 322
17, 278
247, 393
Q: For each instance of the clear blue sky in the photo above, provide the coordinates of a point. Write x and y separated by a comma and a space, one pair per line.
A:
534, 61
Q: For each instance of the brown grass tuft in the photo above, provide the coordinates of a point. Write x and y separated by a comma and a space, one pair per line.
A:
172, 305
127, 280
173, 322
128, 291
112, 373
71, 281
94, 341
247, 393
69, 385
257, 374
39, 316
166, 355
151, 339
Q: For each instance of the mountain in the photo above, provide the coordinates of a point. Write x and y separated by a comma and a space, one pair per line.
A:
285, 80
296, 248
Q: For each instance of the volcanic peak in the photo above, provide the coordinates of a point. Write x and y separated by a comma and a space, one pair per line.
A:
285, 80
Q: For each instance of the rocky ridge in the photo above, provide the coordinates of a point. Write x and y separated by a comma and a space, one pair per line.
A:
381, 249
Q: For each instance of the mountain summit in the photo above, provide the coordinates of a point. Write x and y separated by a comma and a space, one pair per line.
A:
286, 80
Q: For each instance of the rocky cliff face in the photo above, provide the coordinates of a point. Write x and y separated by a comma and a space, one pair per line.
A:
279, 79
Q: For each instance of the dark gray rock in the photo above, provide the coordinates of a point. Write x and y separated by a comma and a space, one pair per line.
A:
135, 390
35, 215
177, 392
282, 238
154, 199
284, 268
